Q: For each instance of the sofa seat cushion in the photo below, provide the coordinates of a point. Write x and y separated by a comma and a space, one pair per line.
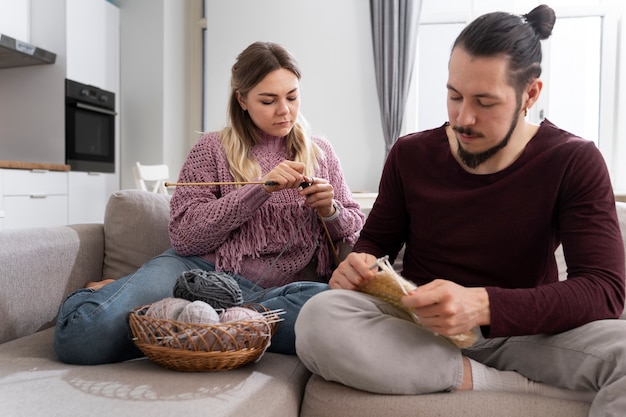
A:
135, 230
329, 399
34, 383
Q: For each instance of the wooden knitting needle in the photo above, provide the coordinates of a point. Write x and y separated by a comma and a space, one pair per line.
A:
177, 184
330, 239
326, 231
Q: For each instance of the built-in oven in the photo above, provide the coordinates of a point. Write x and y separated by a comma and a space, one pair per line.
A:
89, 128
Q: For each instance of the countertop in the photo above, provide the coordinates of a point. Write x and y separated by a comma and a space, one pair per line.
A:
33, 165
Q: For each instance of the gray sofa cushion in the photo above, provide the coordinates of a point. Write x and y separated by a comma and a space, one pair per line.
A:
330, 399
135, 230
34, 383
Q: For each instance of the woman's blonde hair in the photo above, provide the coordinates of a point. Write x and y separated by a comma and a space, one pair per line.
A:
241, 134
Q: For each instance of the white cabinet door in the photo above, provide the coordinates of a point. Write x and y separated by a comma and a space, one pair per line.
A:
35, 211
34, 198
36, 182
88, 196
15, 19
92, 31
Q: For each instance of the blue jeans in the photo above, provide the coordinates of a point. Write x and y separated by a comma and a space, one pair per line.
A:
92, 327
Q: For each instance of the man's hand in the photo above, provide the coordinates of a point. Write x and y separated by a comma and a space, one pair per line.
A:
353, 272
449, 309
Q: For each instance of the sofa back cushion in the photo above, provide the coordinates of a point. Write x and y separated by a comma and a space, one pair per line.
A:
135, 230
39, 267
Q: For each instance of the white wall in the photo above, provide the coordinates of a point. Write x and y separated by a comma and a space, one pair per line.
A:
619, 161
567, 99
154, 63
332, 42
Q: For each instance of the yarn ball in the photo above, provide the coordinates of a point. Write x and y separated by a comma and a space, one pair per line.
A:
218, 289
199, 312
240, 314
167, 309
244, 335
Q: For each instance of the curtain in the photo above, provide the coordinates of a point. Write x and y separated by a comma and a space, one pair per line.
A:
394, 35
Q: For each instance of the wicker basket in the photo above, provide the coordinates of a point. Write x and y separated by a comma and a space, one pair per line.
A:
201, 347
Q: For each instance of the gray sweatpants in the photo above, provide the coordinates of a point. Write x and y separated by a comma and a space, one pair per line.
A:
365, 343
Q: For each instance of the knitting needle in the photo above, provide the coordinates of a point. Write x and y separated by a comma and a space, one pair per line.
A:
378, 261
305, 184
176, 184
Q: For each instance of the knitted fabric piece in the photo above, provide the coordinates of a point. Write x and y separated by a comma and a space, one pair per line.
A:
391, 287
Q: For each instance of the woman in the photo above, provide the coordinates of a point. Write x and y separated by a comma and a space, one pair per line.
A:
269, 234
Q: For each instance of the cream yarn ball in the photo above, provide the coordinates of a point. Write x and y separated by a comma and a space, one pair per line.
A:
243, 334
167, 309
199, 312
239, 314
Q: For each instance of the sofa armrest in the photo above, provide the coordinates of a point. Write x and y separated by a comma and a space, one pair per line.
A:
39, 267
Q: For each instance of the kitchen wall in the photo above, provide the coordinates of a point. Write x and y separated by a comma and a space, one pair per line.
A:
156, 61
152, 111
32, 114
333, 44
330, 39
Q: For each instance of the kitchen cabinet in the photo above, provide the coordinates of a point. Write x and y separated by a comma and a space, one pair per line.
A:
93, 58
34, 198
93, 33
15, 19
88, 196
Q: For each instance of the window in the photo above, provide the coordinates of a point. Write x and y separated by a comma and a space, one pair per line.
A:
580, 70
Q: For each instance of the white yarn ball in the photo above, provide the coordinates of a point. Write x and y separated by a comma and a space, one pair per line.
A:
199, 312
167, 309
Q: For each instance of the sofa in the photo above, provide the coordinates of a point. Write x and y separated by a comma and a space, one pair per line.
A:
40, 267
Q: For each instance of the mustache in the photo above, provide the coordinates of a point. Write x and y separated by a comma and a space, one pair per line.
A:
466, 131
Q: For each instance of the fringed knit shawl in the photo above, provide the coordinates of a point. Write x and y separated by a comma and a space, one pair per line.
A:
267, 238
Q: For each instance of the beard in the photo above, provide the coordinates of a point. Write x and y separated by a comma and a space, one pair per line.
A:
473, 160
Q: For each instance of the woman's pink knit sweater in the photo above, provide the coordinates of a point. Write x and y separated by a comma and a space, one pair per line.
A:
267, 238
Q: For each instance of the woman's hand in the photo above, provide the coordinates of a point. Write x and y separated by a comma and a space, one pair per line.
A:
449, 309
353, 272
319, 195
287, 174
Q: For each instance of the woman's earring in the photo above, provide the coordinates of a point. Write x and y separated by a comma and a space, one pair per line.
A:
525, 111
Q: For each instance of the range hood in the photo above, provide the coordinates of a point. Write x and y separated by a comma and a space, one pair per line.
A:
14, 53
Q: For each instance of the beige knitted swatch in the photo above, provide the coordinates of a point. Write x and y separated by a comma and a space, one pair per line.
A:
391, 287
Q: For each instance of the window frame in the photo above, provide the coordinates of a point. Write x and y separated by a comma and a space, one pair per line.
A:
609, 99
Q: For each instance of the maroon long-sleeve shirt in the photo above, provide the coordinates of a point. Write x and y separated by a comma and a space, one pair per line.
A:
500, 231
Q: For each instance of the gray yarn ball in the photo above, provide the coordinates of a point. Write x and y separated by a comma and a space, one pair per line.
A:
218, 289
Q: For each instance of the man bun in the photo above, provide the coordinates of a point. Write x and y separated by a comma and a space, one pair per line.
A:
542, 19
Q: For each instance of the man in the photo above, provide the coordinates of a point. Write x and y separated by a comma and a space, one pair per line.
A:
481, 204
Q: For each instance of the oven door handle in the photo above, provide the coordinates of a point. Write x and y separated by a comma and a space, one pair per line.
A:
96, 109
